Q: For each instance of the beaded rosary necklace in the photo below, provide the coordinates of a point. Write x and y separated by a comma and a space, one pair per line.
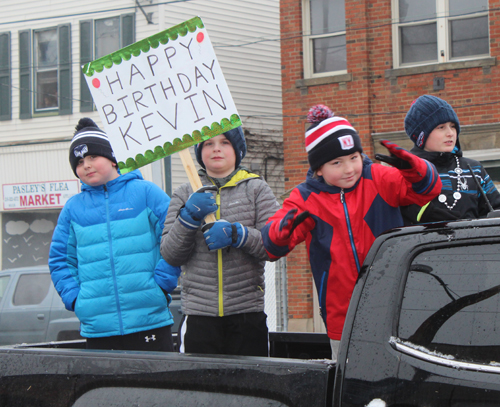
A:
461, 186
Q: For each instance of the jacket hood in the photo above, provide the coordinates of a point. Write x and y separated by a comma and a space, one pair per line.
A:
136, 174
436, 157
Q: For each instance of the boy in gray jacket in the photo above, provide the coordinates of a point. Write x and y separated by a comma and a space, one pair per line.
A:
222, 263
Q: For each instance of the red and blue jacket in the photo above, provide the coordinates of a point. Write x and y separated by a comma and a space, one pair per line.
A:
343, 225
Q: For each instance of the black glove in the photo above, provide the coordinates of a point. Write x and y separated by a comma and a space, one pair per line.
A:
396, 161
280, 232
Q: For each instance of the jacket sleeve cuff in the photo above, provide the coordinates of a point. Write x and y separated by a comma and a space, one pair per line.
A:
187, 221
274, 251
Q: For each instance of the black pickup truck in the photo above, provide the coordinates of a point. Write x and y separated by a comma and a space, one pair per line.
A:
423, 329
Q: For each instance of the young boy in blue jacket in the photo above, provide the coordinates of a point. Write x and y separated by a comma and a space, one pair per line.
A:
105, 259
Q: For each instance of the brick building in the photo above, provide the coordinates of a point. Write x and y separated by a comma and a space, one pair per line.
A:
368, 60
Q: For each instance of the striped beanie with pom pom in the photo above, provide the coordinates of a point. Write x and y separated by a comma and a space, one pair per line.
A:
89, 140
329, 137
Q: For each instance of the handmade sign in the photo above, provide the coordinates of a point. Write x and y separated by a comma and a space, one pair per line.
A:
161, 95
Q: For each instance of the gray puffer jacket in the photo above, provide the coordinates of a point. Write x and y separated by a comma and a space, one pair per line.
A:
227, 281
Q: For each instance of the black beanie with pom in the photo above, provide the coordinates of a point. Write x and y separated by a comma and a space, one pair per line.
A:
89, 140
329, 137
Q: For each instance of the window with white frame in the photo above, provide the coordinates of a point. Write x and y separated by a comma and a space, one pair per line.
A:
99, 38
45, 69
107, 36
324, 37
437, 31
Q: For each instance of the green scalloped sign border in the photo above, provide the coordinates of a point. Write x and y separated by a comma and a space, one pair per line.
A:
188, 140
135, 49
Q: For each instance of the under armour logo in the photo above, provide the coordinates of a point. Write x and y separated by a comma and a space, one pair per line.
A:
152, 338
80, 150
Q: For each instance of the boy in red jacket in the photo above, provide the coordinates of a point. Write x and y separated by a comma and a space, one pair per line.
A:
344, 204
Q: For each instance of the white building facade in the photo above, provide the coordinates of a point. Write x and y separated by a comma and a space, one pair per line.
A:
43, 94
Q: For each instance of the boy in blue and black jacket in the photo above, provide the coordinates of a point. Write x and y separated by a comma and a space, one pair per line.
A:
105, 257
432, 124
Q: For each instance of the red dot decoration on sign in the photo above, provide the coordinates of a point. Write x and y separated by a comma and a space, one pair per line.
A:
96, 83
200, 37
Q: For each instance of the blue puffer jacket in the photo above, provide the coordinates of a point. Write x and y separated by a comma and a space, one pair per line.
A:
105, 254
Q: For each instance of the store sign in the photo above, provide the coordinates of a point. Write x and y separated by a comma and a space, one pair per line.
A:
38, 195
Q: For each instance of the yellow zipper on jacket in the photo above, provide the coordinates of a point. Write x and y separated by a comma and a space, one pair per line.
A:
219, 263
240, 175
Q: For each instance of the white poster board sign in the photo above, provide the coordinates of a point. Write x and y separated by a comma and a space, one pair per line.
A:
161, 95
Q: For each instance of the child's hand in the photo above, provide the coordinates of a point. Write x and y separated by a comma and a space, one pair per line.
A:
413, 168
199, 204
398, 158
222, 234
282, 231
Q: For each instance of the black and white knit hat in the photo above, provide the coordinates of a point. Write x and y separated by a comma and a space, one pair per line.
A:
89, 140
237, 140
329, 137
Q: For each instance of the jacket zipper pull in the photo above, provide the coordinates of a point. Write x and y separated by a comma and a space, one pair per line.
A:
342, 195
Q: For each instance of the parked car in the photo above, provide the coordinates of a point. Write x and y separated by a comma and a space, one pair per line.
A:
31, 311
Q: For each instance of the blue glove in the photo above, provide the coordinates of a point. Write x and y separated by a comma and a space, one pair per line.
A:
222, 234
199, 204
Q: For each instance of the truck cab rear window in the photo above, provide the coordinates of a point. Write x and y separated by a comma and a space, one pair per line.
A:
451, 304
